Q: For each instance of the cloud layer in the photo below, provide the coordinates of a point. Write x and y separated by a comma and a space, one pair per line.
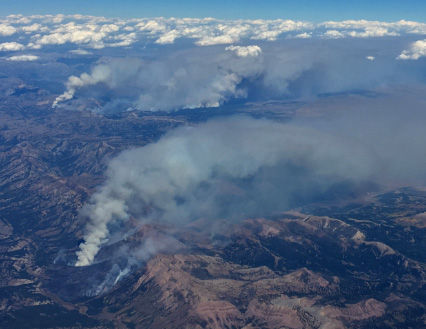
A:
100, 32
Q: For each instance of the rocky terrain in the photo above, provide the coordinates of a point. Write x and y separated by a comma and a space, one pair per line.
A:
296, 271
358, 264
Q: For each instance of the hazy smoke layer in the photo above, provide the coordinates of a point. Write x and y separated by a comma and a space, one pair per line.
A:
240, 167
179, 81
228, 169
209, 77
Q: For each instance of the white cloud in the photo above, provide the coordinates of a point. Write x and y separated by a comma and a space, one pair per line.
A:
109, 28
209, 31
416, 50
7, 30
369, 29
33, 28
333, 34
219, 40
99, 32
73, 35
271, 30
245, 51
90, 33
370, 58
80, 52
267, 35
123, 40
11, 46
23, 58
18, 19
152, 26
304, 35
32, 45
58, 18
168, 38
371, 32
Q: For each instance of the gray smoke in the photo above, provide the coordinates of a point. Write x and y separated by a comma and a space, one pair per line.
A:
208, 77
175, 82
226, 169
239, 167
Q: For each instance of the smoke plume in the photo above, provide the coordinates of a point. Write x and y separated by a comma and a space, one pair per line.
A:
226, 169
210, 77
238, 167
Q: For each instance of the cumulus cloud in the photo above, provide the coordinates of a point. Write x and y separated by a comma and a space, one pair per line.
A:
333, 34
7, 30
245, 51
168, 37
11, 46
217, 40
34, 28
271, 30
209, 32
416, 50
18, 19
365, 28
23, 58
70, 33
151, 26
100, 32
304, 35
91, 32
370, 32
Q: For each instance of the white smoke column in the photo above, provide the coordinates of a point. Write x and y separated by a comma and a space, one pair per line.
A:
222, 169
100, 73
103, 211
171, 83
134, 256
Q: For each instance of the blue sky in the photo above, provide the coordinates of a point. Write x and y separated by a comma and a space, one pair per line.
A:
388, 10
